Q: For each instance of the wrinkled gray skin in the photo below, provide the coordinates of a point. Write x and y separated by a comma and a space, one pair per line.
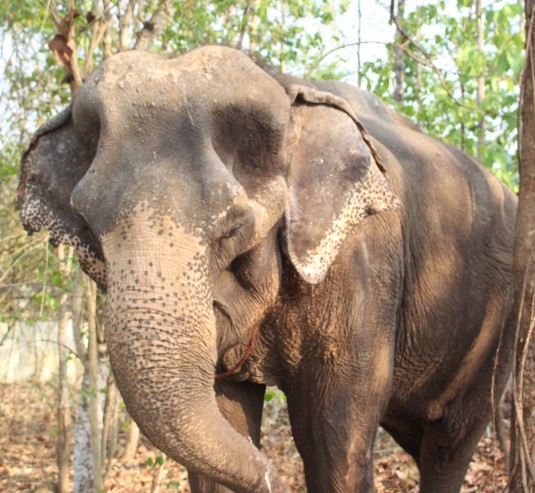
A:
363, 265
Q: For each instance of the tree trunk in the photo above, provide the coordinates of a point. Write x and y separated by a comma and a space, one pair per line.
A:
481, 79
419, 84
70, 64
88, 447
84, 480
131, 443
110, 428
399, 54
253, 31
96, 403
63, 448
523, 414
359, 41
125, 27
244, 24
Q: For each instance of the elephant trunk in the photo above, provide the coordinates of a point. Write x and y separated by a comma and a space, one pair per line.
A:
162, 341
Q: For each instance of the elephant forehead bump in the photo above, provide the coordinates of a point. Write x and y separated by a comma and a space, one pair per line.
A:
202, 80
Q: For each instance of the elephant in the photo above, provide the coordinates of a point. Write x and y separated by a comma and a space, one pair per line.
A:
253, 229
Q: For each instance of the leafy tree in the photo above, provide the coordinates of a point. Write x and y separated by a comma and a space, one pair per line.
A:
443, 68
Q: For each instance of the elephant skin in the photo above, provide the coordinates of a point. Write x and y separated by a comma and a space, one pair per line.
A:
254, 229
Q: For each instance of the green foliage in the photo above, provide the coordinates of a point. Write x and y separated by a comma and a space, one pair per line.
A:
441, 89
157, 461
278, 32
26, 100
173, 485
273, 393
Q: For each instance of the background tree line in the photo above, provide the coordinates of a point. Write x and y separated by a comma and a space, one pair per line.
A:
454, 67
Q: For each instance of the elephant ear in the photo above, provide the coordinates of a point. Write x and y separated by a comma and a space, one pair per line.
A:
54, 163
336, 180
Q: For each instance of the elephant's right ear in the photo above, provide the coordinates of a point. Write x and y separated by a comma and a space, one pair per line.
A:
51, 167
336, 180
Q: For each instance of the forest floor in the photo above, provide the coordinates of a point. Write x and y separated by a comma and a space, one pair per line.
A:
28, 463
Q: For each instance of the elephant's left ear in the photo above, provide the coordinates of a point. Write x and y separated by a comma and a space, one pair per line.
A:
336, 180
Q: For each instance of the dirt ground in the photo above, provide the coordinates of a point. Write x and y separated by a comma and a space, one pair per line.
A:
27, 453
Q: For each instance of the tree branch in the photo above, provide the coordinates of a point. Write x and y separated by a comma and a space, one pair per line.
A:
427, 61
51, 9
399, 62
311, 69
107, 32
125, 26
157, 23
245, 20
141, 11
71, 42
4, 337
63, 45
96, 38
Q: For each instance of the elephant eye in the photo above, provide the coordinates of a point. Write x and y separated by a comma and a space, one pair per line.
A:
251, 143
233, 231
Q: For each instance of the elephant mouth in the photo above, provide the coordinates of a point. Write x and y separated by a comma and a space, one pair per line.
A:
221, 308
222, 374
245, 348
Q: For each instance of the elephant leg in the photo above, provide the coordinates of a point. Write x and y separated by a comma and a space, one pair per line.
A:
334, 418
241, 404
446, 453
406, 432
448, 444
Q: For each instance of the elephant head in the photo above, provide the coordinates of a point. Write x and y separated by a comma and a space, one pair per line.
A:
173, 178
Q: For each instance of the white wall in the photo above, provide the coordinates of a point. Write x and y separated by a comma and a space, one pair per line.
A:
30, 352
